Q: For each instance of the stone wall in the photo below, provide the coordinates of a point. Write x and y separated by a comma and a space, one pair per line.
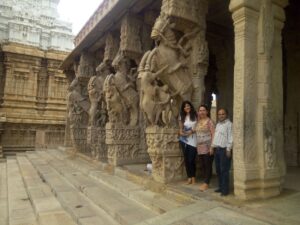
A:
32, 96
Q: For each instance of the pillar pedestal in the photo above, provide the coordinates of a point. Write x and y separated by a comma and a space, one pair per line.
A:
165, 154
96, 141
123, 145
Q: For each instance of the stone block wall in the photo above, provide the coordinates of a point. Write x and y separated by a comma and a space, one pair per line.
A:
32, 97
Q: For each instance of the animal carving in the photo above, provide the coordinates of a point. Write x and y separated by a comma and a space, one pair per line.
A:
155, 100
168, 57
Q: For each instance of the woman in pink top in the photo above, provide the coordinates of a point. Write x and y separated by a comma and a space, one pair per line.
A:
205, 130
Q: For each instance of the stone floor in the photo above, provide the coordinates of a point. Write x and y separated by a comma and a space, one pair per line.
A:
50, 188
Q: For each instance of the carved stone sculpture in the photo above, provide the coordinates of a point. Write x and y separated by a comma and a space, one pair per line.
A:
114, 102
77, 106
97, 111
155, 100
166, 80
173, 54
121, 94
167, 160
123, 145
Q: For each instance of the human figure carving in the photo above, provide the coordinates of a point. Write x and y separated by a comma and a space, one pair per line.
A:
96, 95
77, 105
155, 100
113, 100
125, 87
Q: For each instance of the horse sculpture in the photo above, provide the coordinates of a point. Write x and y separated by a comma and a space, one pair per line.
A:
166, 63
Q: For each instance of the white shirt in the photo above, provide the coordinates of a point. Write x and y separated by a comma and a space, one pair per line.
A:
188, 125
223, 135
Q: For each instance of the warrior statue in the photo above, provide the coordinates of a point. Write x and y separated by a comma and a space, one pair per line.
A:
121, 86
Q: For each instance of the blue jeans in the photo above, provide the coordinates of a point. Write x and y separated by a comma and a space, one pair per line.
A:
222, 168
189, 154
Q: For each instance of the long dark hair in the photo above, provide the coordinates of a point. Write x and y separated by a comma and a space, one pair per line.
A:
193, 113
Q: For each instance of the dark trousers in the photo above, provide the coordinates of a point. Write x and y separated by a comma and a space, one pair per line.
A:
189, 154
222, 168
206, 161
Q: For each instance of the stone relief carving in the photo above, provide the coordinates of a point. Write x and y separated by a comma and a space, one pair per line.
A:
184, 9
111, 47
155, 100
96, 139
85, 69
123, 145
77, 105
164, 152
114, 104
121, 94
266, 28
173, 54
131, 36
97, 112
77, 108
270, 142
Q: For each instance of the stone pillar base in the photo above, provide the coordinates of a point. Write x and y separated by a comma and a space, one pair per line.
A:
123, 145
251, 188
96, 141
79, 140
166, 156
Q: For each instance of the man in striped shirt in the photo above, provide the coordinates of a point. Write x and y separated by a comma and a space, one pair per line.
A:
222, 146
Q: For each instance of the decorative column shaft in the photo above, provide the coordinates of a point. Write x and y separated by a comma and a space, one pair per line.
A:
257, 113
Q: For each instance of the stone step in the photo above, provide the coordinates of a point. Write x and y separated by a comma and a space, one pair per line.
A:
132, 173
154, 201
20, 209
83, 211
203, 212
125, 210
122, 209
47, 208
3, 194
8, 151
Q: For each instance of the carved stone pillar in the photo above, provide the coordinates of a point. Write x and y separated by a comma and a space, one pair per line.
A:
180, 62
123, 145
257, 114
131, 30
96, 139
123, 131
79, 104
165, 154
